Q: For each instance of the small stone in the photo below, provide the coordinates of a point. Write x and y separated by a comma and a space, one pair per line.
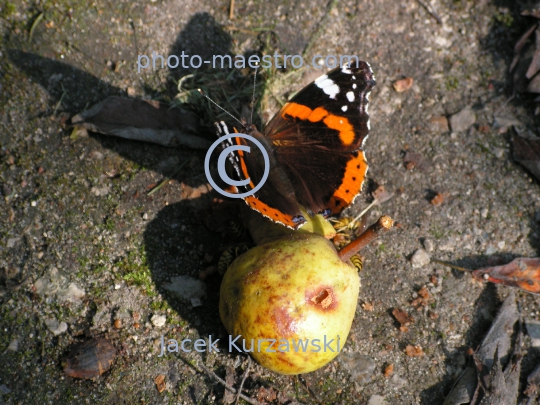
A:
396, 382
57, 328
158, 320
420, 258
360, 366
439, 123
118, 323
44, 286
501, 244
498, 152
462, 120
447, 246
145, 216
377, 400
4, 390
13, 346
428, 245
533, 330
12, 241
71, 293
186, 287
402, 85
484, 212
131, 92
490, 250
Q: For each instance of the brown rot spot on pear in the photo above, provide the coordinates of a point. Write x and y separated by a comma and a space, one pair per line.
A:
323, 298
286, 325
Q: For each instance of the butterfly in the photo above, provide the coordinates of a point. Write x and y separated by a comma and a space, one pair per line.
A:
315, 145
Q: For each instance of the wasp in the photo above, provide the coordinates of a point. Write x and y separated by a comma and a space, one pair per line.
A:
228, 256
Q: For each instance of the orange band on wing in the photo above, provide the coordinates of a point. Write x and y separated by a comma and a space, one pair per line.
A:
272, 213
351, 184
336, 122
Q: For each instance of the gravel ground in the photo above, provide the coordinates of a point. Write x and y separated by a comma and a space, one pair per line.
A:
82, 243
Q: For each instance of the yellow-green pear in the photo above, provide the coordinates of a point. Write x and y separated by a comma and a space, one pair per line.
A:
292, 300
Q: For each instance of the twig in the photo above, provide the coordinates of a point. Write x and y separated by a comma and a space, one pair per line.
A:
382, 225
430, 10
231, 11
227, 386
306, 388
167, 179
452, 266
243, 379
373, 203
34, 26
61, 99
320, 28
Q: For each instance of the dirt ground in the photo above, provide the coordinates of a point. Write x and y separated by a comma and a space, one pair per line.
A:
76, 216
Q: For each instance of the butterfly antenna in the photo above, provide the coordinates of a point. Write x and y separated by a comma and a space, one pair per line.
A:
253, 98
220, 107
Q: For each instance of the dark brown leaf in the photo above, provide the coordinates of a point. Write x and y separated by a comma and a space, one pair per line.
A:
527, 152
89, 359
148, 121
522, 273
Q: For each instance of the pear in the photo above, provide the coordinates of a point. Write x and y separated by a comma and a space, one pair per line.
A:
290, 302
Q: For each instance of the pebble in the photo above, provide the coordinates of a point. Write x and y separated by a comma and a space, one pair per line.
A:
158, 320
4, 389
13, 346
462, 120
533, 330
420, 258
396, 382
57, 328
12, 241
439, 123
187, 288
490, 250
377, 400
71, 293
428, 245
484, 212
360, 366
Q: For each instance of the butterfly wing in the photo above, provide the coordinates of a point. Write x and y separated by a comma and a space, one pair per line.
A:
318, 135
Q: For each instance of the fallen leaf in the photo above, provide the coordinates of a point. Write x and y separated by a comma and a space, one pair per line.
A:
402, 316
141, 120
527, 152
389, 370
404, 84
160, 383
414, 351
522, 273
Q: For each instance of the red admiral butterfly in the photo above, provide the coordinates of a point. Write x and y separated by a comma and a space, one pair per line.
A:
315, 147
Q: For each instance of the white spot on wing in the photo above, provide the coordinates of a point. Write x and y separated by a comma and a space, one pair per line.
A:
350, 96
344, 108
354, 86
346, 70
327, 85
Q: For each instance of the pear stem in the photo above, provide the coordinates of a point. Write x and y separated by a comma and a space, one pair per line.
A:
382, 225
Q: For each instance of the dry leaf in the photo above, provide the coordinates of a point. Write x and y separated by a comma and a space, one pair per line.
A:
414, 351
438, 199
148, 121
402, 317
523, 273
404, 84
160, 383
389, 370
527, 152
